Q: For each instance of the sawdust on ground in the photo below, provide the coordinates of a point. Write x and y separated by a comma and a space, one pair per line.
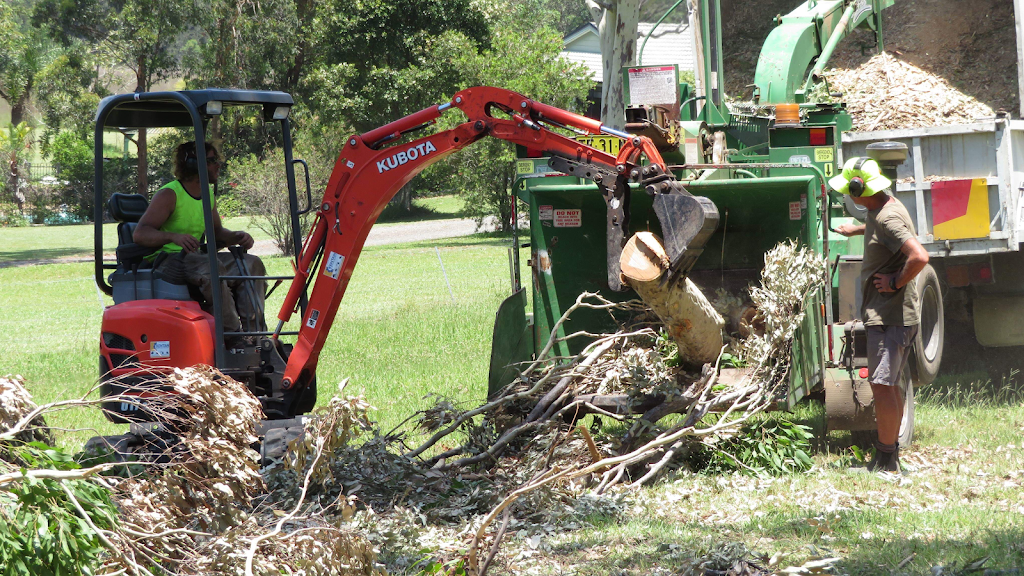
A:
944, 63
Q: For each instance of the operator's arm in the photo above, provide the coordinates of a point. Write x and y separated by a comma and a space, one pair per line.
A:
230, 237
148, 232
851, 230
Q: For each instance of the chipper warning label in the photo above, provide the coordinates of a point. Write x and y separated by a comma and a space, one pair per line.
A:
568, 218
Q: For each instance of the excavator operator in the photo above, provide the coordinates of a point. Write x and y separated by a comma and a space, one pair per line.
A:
174, 223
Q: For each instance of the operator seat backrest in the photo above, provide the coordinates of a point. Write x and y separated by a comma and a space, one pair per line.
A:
134, 278
126, 209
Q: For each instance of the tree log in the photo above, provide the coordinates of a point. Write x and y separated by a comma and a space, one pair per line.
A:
689, 318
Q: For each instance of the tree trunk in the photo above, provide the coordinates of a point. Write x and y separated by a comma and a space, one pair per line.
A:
689, 318
142, 170
141, 173
18, 109
617, 25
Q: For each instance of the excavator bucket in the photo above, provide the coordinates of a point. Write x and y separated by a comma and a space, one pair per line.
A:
687, 222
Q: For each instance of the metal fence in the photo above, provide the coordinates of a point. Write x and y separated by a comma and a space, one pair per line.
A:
39, 170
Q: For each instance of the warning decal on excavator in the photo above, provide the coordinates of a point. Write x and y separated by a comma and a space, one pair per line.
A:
333, 266
314, 315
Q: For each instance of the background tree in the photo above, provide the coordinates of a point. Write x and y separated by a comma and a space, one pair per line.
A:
15, 143
139, 35
67, 94
26, 50
525, 58
373, 62
247, 45
567, 15
617, 25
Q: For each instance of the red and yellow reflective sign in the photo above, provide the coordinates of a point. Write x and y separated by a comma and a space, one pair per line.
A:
960, 209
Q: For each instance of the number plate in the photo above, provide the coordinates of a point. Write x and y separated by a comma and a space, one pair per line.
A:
609, 144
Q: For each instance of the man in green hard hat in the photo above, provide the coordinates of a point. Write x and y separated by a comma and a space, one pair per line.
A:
893, 257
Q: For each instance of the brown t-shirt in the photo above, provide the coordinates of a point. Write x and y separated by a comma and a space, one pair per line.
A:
885, 232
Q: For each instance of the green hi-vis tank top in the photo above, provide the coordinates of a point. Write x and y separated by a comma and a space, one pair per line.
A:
187, 217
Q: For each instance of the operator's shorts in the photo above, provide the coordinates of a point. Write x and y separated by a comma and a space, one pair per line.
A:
888, 352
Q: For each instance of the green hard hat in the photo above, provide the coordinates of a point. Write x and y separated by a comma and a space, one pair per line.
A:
865, 168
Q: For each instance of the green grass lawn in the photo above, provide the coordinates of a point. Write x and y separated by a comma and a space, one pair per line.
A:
399, 334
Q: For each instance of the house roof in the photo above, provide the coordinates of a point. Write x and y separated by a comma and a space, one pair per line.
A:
671, 43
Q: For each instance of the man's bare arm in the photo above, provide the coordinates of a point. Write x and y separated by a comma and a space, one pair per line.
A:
148, 233
851, 230
917, 259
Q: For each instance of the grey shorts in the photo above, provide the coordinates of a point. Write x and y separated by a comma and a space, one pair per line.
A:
888, 352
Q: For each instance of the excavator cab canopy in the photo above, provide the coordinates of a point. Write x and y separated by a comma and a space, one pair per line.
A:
174, 109
186, 109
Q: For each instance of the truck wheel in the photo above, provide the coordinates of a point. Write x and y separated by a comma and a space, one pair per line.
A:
866, 438
931, 333
907, 423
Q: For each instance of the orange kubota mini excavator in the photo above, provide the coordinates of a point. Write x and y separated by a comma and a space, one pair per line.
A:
155, 325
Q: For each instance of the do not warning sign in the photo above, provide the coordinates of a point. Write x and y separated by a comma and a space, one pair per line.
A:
568, 218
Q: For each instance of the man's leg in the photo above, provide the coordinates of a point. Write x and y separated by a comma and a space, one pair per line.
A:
888, 412
197, 272
249, 294
888, 351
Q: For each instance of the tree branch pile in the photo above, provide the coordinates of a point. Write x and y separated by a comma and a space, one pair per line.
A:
451, 480
19, 416
195, 502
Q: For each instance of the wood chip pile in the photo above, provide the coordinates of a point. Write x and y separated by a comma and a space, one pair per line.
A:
888, 93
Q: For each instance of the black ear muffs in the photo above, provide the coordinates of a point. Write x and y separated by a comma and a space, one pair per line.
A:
856, 186
192, 162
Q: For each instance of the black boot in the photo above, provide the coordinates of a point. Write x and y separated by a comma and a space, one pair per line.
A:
887, 458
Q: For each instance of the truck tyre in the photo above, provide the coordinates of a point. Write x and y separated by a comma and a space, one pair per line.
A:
907, 424
866, 438
931, 333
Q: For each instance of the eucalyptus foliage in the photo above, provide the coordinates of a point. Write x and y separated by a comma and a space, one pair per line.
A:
41, 530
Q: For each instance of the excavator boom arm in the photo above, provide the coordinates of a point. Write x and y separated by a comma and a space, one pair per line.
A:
368, 173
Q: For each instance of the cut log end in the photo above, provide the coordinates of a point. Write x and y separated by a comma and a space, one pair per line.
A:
689, 318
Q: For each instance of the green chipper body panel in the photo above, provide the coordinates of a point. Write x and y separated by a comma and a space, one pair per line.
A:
568, 257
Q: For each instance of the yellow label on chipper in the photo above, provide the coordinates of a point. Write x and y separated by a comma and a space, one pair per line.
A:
609, 144
824, 155
524, 167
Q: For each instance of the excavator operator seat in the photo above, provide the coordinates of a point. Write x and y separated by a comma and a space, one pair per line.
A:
134, 278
